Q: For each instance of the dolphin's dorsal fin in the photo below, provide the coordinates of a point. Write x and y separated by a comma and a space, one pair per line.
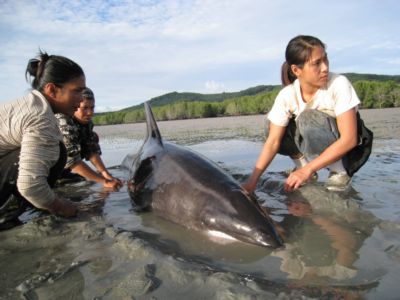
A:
152, 128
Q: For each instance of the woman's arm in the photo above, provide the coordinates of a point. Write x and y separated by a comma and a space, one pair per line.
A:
347, 126
270, 148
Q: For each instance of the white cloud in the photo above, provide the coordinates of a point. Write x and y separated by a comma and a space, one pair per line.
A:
214, 87
100, 109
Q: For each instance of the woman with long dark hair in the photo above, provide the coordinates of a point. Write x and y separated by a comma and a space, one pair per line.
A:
314, 120
32, 154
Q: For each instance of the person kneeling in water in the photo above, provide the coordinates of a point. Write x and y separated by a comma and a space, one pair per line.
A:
314, 120
83, 143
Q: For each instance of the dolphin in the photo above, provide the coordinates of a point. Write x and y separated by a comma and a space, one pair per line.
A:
185, 187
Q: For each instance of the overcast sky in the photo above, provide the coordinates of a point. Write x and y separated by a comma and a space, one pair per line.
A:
132, 51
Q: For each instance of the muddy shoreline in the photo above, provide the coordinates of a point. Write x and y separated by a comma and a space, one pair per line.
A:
115, 253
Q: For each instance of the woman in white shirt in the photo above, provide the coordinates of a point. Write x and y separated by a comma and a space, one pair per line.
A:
32, 154
314, 120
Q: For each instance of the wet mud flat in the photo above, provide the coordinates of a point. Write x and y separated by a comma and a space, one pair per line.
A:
346, 245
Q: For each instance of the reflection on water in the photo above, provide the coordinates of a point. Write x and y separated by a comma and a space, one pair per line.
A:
323, 245
342, 245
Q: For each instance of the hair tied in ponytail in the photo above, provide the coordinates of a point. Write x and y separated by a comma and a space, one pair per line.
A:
43, 58
36, 68
54, 69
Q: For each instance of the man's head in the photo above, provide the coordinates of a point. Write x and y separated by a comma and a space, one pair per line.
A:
85, 111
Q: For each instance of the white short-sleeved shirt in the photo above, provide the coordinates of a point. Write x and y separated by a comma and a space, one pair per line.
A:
336, 98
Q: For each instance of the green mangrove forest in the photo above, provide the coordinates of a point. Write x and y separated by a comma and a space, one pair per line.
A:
374, 91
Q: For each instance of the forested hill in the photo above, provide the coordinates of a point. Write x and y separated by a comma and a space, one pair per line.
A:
176, 97
353, 77
374, 91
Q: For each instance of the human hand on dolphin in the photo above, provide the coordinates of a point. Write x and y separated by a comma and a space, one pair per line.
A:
113, 183
249, 186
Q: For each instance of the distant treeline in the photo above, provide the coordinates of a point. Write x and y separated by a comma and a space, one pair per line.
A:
374, 91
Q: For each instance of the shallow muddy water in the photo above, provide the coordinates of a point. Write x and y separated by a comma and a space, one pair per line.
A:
337, 245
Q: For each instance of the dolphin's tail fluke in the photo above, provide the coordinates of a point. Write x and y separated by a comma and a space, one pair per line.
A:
152, 128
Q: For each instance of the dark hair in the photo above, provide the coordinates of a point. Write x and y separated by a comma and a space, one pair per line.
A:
87, 94
51, 69
298, 52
